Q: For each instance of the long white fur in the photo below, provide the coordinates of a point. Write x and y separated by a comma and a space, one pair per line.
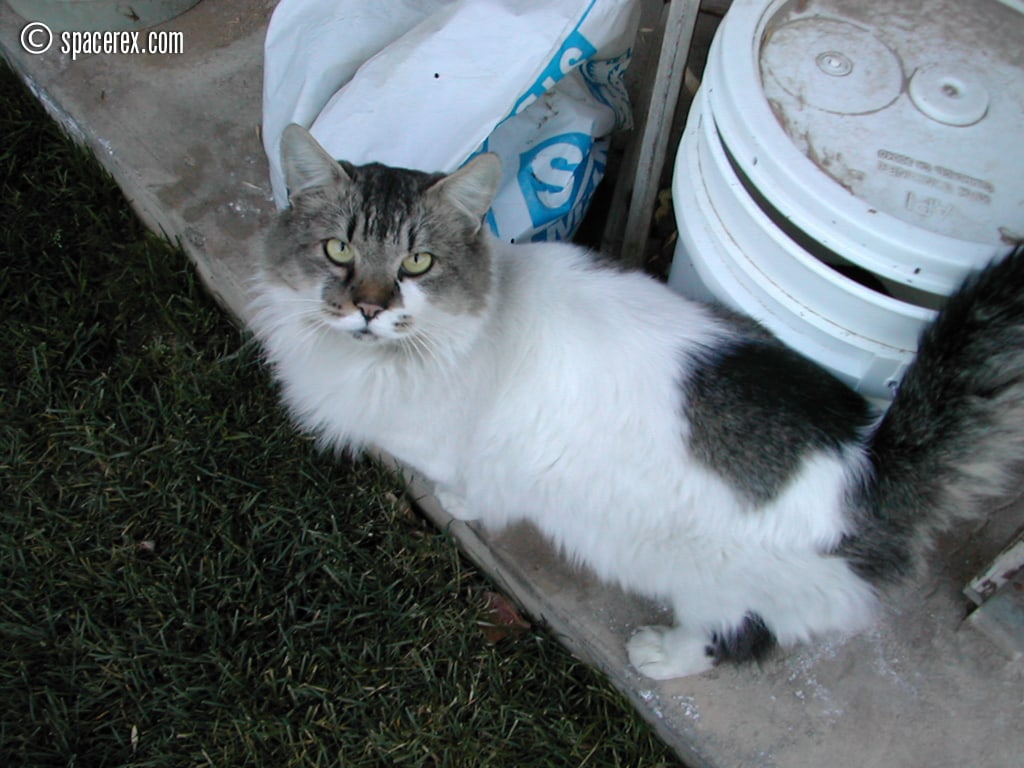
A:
562, 404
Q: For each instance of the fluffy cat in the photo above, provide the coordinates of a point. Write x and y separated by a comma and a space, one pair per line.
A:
676, 449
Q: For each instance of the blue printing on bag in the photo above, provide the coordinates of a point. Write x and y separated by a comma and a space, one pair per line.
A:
604, 79
575, 50
557, 178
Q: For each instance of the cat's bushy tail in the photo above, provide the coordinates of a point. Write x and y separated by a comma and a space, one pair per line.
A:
954, 435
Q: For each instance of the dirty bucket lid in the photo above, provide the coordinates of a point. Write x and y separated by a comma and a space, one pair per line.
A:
885, 131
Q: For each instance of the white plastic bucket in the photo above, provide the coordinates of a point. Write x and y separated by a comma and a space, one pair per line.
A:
820, 149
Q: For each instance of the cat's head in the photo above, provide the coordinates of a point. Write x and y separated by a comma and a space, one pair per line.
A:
383, 255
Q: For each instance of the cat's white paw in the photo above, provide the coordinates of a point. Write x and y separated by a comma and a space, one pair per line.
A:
454, 505
662, 653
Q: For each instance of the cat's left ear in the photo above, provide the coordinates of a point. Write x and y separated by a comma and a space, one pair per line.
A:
306, 164
472, 188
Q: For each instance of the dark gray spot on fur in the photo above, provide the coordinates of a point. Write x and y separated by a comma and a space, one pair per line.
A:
756, 409
750, 641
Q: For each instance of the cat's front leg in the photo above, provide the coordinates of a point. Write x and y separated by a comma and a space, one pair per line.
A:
662, 653
454, 504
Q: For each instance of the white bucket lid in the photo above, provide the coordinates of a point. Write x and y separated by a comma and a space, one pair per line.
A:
888, 132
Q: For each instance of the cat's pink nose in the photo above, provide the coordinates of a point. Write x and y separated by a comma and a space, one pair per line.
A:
369, 311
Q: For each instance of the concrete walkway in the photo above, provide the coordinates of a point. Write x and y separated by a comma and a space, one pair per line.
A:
180, 133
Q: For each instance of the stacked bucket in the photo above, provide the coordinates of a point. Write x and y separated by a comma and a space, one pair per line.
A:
845, 164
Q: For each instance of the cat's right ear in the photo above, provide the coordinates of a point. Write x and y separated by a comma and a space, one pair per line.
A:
306, 164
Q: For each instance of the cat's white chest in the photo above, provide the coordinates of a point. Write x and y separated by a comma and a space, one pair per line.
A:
423, 440
359, 402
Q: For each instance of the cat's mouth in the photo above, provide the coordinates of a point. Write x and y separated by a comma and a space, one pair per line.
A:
365, 334
375, 330
346, 324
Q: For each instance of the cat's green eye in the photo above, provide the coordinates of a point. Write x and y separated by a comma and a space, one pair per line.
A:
338, 251
417, 263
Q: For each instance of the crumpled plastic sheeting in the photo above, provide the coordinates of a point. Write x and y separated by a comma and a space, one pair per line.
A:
426, 84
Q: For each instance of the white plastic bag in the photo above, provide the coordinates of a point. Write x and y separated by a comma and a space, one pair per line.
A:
426, 84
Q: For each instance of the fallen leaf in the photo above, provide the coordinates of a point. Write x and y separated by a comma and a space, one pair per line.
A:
501, 619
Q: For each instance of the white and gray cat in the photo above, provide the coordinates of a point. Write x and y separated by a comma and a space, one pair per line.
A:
677, 449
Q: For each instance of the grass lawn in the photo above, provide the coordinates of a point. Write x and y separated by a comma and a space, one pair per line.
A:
184, 580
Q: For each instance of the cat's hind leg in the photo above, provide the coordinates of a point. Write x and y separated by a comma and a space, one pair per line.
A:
666, 652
